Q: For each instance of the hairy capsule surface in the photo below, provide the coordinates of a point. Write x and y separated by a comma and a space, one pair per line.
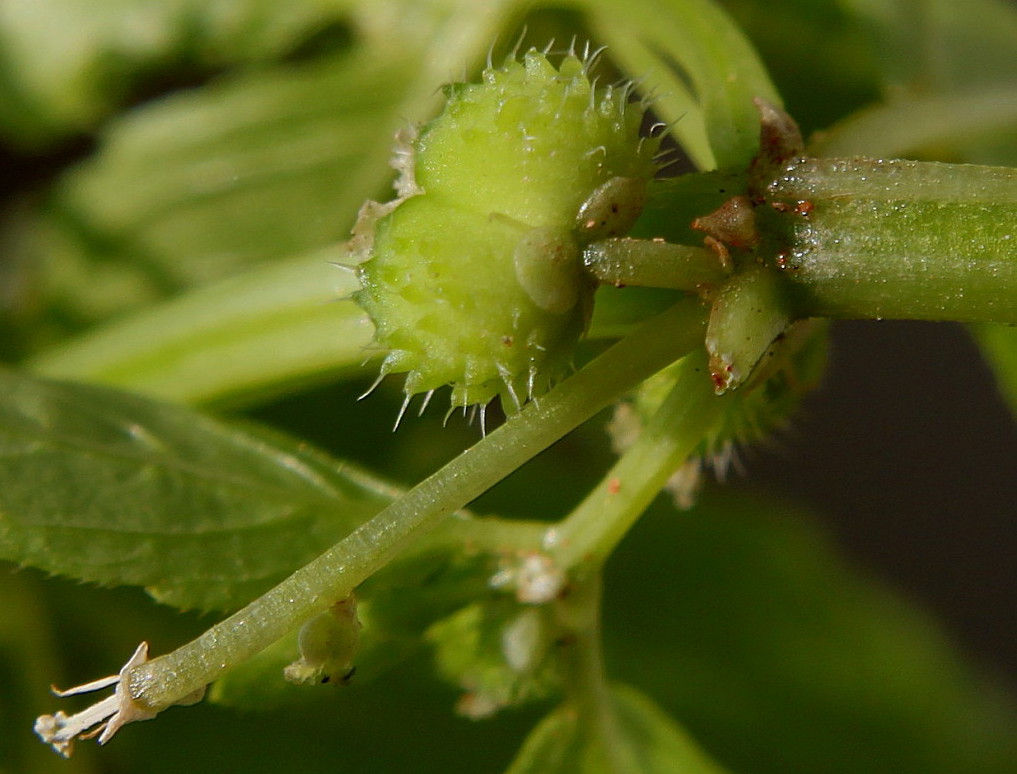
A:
473, 276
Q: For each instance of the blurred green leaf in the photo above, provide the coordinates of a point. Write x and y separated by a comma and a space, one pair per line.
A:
949, 79
914, 126
498, 653
203, 184
555, 746
999, 346
259, 166
271, 327
66, 63
660, 744
704, 71
252, 336
561, 744
940, 45
111, 488
781, 658
820, 55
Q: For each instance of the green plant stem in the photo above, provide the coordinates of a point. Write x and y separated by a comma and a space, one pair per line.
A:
586, 682
595, 527
894, 239
164, 681
647, 263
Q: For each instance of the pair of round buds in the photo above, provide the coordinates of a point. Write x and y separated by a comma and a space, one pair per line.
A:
474, 275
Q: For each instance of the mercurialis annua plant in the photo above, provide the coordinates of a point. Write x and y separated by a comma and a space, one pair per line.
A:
535, 184
473, 276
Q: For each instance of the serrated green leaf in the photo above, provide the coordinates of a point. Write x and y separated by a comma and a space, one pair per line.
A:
704, 70
653, 743
112, 488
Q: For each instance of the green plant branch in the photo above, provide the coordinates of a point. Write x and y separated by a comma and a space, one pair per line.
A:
885, 239
851, 238
586, 682
595, 527
646, 263
164, 681
861, 238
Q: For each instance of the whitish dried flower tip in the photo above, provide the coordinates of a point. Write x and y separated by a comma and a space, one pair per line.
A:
102, 719
535, 576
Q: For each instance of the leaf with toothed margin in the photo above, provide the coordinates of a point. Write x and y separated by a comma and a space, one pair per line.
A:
112, 488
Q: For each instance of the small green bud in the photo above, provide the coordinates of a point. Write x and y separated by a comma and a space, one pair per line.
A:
788, 369
549, 269
328, 643
612, 209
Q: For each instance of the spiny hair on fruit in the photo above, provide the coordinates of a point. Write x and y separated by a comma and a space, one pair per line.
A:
473, 274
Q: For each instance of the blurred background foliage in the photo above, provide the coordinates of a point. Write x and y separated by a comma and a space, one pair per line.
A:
156, 155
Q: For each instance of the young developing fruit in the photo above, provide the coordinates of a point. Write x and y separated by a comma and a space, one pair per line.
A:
473, 276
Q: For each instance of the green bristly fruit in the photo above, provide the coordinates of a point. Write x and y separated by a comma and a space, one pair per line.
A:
473, 276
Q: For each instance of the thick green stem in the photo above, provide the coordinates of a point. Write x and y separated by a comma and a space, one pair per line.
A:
594, 528
859, 238
162, 682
